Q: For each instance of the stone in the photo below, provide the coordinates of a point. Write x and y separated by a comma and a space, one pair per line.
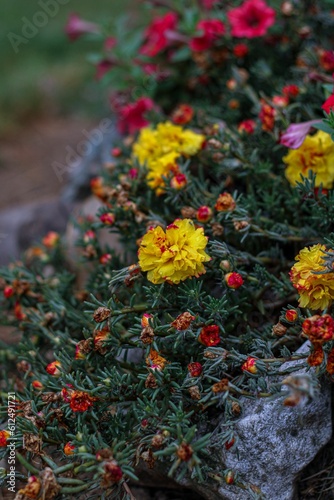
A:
275, 443
24, 225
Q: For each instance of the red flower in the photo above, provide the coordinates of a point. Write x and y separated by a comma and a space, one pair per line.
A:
113, 472
234, 280
108, 218
247, 126
319, 329
80, 401
105, 258
211, 30
156, 39
209, 336
195, 369
132, 116
251, 19
69, 448
267, 116
8, 291
182, 114
240, 50
291, 90
103, 67
327, 60
76, 27
328, 105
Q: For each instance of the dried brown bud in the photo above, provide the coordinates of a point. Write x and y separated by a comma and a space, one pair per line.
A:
150, 382
279, 330
101, 314
292, 400
148, 457
23, 366
236, 408
89, 252
183, 321
239, 225
50, 487
188, 212
157, 440
214, 143
51, 397
103, 454
217, 229
195, 393
32, 443
210, 355
221, 386
147, 335
218, 157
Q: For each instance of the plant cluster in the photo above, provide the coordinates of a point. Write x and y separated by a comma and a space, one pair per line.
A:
221, 196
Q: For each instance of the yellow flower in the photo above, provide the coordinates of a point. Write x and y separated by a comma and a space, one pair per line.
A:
158, 149
316, 154
174, 255
316, 290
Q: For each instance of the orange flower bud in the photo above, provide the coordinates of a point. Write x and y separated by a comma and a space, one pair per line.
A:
53, 368
51, 239
229, 477
37, 385
69, 448
4, 436
250, 365
182, 114
225, 202
291, 315
145, 320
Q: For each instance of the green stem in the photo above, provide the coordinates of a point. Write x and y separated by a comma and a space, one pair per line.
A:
65, 468
26, 464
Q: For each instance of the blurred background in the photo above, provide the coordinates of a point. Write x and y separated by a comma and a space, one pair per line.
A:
48, 94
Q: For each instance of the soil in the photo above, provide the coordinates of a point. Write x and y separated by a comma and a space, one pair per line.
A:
26, 159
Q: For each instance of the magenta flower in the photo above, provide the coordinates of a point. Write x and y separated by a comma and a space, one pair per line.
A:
76, 27
295, 134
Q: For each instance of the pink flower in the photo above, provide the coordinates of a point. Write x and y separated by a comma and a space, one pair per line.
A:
295, 134
156, 39
328, 105
208, 4
110, 43
103, 67
211, 30
251, 19
75, 27
131, 117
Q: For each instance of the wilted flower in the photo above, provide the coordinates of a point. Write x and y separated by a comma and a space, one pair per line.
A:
225, 202
195, 369
296, 133
183, 321
80, 401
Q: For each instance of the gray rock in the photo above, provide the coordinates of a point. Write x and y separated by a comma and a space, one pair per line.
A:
24, 225
275, 443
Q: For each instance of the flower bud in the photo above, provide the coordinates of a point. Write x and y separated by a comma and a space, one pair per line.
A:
225, 202
250, 366
204, 214
101, 314
69, 448
291, 315
234, 280
54, 368
279, 330
108, 218
8, 291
